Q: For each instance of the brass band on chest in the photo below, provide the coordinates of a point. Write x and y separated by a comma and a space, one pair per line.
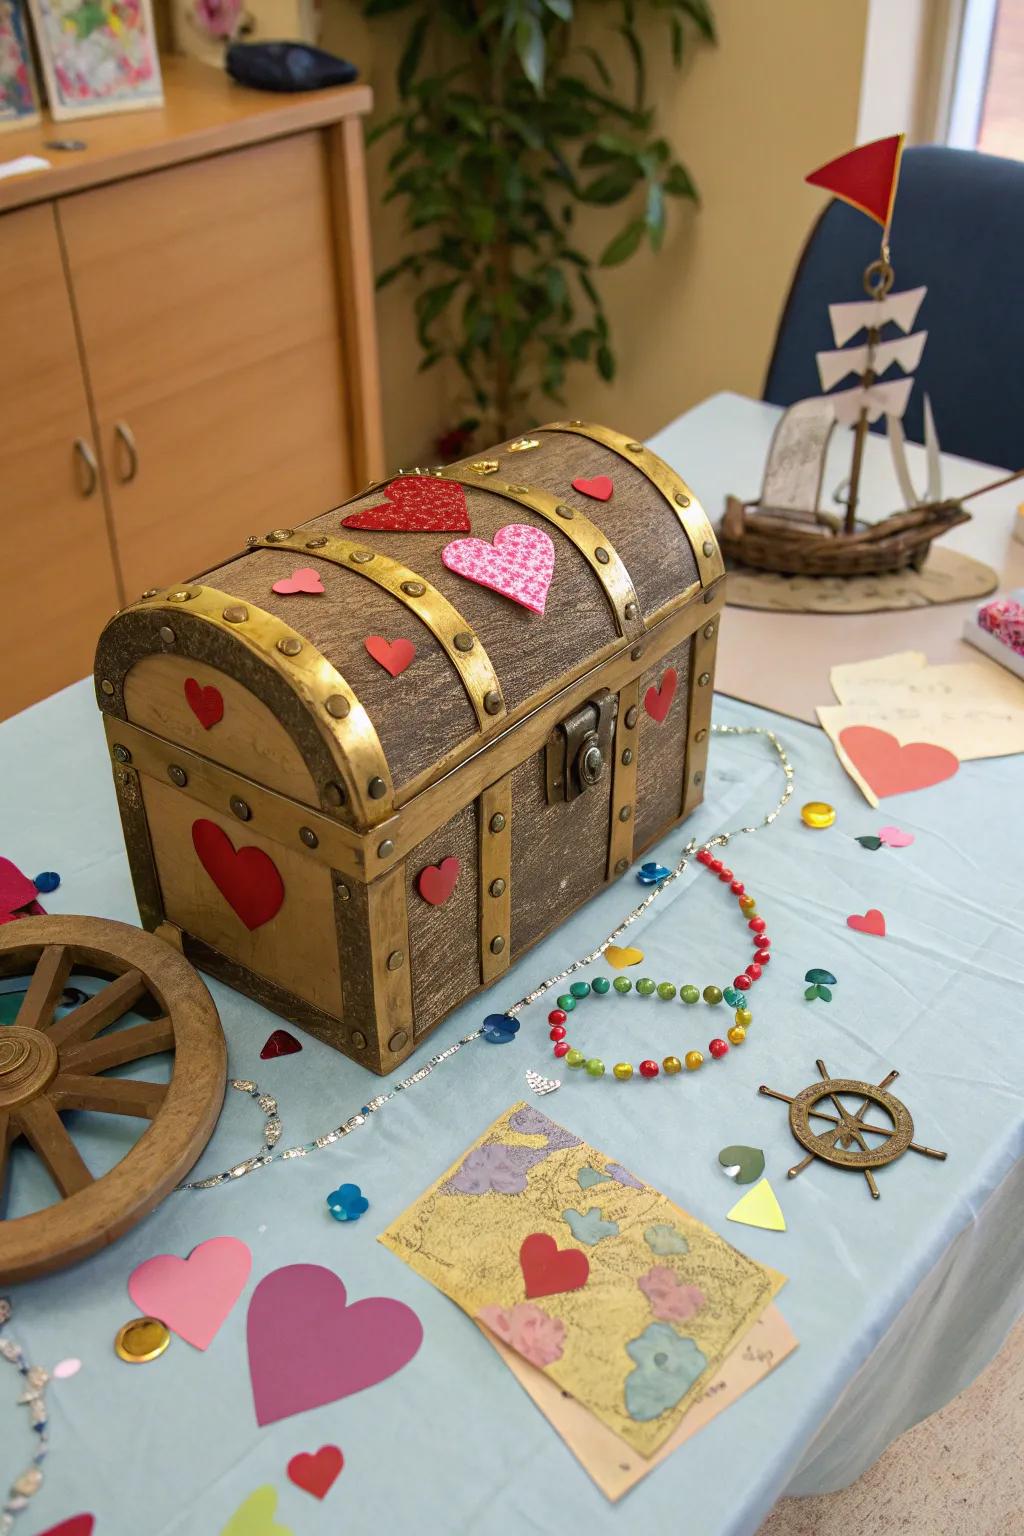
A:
598, 550
454, 634
691, 515
495, 808
330, 703
627, 741
701, 691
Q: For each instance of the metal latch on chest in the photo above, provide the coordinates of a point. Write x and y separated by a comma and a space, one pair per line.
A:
578, 750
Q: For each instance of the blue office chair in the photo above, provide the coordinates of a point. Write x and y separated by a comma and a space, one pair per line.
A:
959, 228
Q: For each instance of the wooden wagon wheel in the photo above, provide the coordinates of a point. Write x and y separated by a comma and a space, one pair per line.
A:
48, 1065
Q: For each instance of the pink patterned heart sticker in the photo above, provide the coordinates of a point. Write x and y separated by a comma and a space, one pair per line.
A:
519, 564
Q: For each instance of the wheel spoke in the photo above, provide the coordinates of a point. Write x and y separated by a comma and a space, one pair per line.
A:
108, 1095
85, 1021
52, 970
6, 1137
123, 1045
39, 1121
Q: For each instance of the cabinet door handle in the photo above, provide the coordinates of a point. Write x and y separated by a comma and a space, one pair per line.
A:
126, 438
88, 480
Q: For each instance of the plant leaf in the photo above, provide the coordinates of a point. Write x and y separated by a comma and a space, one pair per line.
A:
412, 53
624, 244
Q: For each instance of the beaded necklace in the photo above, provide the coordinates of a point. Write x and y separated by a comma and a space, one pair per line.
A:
269, 1154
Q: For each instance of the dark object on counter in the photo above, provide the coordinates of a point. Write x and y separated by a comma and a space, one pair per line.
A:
286, 67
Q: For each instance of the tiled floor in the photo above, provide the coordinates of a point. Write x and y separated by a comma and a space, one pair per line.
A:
959, 1473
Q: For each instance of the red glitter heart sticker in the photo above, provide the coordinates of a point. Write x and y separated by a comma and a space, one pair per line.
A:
417, 504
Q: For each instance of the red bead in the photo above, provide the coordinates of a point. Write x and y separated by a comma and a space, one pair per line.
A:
762, 941
718, 1048
648, 1069
757, 925
753, 970
557, 1032
725, 876
562, 1048
737, 887
743, 982
715, 866
704, 856
763, 956
557, 1016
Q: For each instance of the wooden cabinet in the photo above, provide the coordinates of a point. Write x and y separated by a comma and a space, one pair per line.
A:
189, 354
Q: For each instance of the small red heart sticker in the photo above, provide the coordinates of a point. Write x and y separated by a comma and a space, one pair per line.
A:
316, 1473
658, 701
393, 655
600, 488
207, 704
548, 1269
871, 922
436, 883
247, 878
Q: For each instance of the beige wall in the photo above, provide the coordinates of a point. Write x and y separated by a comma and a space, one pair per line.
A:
777, 96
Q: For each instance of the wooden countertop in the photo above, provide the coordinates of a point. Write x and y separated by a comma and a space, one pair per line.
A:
204, 113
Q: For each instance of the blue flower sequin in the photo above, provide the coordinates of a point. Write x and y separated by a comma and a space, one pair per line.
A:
652, 874
347, 1202
499, 1029
667, 1365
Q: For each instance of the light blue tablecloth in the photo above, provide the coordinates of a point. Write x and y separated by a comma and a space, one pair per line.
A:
897, 1304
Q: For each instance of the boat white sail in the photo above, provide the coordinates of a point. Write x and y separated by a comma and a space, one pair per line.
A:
904, 351
900, 308
897, 447
888, 399
796, 460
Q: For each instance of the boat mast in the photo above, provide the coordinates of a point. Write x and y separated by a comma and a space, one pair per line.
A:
878, 280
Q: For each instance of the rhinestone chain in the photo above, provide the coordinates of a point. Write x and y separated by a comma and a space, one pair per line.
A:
273, 1128
34, 1399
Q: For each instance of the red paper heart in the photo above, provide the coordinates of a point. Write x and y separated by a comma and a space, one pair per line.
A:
247, 879
890, 769
871, 922
280, 1043
600, 488
658, 701
393, 655
16, 889
436, 883
548, 1269
78, 1525
417, 504
303, 580
206, 704
316, 1474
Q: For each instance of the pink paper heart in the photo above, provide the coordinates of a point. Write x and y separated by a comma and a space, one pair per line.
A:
308, 1348
600, 488
892, 837
519, 564
193, 1296
303, 580
872, 921
16, 889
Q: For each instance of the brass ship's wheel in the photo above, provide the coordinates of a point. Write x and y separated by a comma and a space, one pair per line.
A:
852, 1142
51, 1065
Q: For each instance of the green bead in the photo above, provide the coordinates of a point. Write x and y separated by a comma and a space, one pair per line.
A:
574, 1058
567, 1003
689, 994
595, 1067
601, 985
645, 986
666, 990
711, 995
580, 989
622, 984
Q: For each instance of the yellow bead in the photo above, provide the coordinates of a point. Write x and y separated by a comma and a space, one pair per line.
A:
671, 1065
817, 814
737, 1034
748, 905
623, 1071
693, 1060
744, 1016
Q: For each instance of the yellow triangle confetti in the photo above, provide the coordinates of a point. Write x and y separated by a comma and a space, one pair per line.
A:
759, 1208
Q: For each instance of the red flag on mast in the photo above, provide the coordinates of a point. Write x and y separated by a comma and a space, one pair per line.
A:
865, 177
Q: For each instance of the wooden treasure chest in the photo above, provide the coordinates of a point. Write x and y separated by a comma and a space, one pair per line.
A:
365, 764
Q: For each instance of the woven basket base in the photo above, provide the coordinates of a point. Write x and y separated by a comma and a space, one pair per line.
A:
948, 577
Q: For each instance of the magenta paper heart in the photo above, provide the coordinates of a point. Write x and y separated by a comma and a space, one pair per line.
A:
193, 1296
16, 889
304, 580
892, 837
307, 1348
519, 564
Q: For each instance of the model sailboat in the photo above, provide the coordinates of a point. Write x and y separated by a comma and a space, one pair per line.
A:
786, 529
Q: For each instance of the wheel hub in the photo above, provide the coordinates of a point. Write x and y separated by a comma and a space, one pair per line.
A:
28, 1065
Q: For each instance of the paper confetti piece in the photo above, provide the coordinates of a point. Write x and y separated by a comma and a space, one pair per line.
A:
600, 487
889, 769
620, 958
66, 1368
518, 564
872, 921
658, 701
548, 1270
316, 1472
892, 837
436, 882
304, 580
393, 655
759, 1208
744, 1164
255, 1517
193, 1296
207, 704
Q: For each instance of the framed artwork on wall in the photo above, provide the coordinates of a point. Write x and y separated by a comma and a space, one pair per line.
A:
97, 56
19, 105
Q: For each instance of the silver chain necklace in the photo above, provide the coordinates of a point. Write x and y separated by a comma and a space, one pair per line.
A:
272, 1130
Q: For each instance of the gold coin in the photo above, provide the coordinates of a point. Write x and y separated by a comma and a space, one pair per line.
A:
144, 1338
817, 814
